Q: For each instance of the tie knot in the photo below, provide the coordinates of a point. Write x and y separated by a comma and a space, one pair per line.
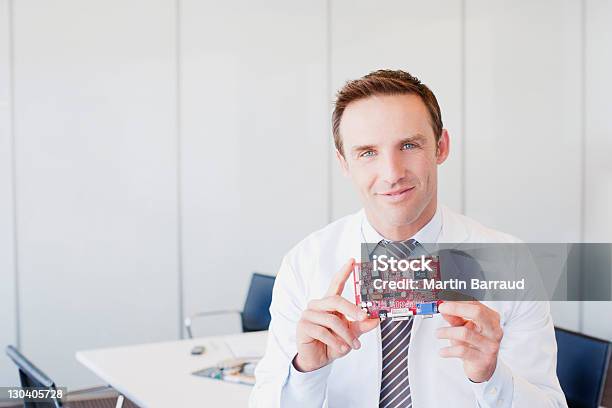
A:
400, 249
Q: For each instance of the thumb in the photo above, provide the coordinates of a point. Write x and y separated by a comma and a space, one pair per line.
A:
364, 326
454, 320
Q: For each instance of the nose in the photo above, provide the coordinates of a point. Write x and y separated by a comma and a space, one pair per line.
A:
393, 170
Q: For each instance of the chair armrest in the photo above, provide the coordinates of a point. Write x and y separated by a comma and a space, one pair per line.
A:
188, 320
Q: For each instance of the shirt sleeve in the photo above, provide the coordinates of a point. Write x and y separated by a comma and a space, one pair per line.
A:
498, 391
278, 383
525, 375
301, 387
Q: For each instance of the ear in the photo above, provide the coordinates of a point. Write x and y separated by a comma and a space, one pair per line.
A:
343, 163
443, 147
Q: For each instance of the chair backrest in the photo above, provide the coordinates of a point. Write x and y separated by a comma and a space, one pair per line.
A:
32, 376
582, 365
256, 311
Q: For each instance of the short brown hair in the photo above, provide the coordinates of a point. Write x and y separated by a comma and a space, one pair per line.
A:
384, 82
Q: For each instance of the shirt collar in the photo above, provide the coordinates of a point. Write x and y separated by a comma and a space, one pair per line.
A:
430, 233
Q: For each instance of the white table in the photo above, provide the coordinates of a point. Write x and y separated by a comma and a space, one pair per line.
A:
159, 374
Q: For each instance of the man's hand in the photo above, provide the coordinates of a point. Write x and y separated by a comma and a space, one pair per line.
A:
475, 335
324, 333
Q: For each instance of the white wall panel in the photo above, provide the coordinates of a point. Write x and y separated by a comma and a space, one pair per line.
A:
598, 166
423, 38
95, 122
523, 117
254, 140
523, 121
8, 372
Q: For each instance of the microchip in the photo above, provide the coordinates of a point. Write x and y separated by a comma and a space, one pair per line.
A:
420, 275
396, 304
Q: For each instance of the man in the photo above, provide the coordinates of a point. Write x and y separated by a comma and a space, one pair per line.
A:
323, 350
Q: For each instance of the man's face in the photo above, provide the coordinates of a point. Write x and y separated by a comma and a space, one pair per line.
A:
391, 155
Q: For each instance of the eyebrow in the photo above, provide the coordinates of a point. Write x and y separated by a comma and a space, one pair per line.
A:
416, 138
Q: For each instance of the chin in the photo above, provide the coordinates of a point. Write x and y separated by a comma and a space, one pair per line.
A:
399, 217
405, 219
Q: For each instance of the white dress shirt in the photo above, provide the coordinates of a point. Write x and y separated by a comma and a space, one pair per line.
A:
525, 375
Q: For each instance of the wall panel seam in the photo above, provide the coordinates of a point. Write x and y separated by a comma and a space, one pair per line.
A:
583, 142
328, 103
13, 158
463, 150
179, 192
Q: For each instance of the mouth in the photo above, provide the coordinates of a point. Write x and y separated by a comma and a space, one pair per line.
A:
397, 195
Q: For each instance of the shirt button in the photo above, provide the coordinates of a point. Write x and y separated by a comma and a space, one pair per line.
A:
500, 401
493, 391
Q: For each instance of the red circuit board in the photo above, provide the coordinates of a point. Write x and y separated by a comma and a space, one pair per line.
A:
396, 303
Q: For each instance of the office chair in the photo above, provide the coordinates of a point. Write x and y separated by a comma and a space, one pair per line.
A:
255, 315
582, 365
32, 376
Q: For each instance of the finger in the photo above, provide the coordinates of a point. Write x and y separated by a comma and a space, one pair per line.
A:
473, 310
337, 284
454, 320
459, 351
323, 335
469, 336
458, 343
466, 310
364, 326
338, 304
485, 319
471, 325
334, 324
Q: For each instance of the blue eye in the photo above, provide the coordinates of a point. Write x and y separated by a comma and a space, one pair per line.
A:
411, 146
369, 153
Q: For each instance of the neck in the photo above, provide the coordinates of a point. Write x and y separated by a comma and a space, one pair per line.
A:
402, 232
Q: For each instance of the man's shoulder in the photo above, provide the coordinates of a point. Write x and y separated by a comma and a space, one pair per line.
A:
330, 236
459, 227
456, 228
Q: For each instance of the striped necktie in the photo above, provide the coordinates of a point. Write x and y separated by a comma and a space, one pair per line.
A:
395, 335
